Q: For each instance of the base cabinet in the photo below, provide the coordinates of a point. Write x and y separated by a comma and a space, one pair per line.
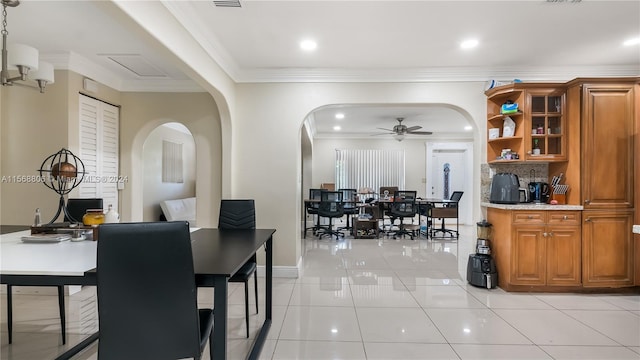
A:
607, 247
537, 250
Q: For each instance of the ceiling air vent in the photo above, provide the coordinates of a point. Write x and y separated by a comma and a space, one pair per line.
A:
231, 3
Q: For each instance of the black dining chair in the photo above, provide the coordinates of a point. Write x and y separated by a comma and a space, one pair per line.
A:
241, 214
331, 207
403, 207
147, 295
76, 208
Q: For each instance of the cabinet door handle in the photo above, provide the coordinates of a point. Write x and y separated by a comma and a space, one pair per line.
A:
587, 220
545, 234
530, 217
551, 233
587, 201
565, 217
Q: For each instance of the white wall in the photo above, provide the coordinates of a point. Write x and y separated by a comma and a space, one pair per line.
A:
155, 190
267, 141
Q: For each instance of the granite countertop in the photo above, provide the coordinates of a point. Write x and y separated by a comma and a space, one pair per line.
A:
636, 229
530, 206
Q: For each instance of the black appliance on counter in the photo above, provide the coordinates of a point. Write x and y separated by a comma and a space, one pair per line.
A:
539, 192
505, 189
481, 271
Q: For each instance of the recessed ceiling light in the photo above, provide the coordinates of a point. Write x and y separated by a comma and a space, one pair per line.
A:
468, 44
339, 116
337, 128
632, 41
308, 45
468, 127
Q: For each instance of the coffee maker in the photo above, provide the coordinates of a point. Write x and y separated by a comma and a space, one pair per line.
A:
481, 267
539, 192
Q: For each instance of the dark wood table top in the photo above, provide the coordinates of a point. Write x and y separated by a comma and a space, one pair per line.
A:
222, 252
6, 229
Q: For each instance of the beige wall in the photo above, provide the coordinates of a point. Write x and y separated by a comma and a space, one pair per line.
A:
155, 190
34, 126
141, 113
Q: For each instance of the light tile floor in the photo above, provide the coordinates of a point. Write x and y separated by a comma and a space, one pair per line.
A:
380, 299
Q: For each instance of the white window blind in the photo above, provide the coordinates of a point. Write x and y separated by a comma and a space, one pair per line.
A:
99, 150
171, 162
356, 169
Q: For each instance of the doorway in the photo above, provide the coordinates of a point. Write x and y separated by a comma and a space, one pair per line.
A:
450, 168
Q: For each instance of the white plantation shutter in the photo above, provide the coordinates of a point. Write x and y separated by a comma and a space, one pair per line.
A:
369, 168
99, 150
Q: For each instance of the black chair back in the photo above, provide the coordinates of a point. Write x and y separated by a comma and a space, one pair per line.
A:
315, 195
404, 204
76, 208
147, 296
237, 214
349, 200
331, 204
456, 196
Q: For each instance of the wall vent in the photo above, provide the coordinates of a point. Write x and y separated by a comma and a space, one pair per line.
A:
230, 3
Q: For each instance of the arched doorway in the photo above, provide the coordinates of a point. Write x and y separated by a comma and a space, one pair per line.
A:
169, 158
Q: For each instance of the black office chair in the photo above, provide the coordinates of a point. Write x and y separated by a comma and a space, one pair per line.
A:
76, 208
147, 295
312, 209
448, 211
403, 207
331, 207
241, 214
350, 206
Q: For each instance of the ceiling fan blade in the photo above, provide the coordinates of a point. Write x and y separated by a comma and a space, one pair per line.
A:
414, 128
383, 134
420, 132
386, 129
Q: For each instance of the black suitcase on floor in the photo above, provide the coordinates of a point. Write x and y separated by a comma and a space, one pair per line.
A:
481, 271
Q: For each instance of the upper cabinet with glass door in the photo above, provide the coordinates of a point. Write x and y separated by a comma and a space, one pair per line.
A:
546, 138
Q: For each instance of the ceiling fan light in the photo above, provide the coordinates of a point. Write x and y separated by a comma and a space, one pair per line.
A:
399, 137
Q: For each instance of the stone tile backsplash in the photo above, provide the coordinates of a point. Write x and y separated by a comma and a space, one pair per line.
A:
527, 172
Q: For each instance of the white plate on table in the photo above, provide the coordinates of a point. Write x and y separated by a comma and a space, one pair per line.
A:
45, 238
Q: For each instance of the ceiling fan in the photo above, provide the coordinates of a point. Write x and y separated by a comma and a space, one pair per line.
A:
400, 131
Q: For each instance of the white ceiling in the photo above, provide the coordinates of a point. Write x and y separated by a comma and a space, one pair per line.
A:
360, 40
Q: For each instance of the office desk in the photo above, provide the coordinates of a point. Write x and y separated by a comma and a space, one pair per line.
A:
217, 254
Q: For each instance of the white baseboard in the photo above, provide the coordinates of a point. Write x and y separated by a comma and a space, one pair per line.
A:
289, 272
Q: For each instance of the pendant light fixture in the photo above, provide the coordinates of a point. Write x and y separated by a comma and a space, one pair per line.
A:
22, 57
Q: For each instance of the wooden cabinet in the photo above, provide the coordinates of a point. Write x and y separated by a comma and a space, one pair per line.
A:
608, 130
537, 249
540, 132
607, 248
546, 125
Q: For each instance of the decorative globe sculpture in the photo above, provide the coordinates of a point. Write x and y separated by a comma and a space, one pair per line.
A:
62, 172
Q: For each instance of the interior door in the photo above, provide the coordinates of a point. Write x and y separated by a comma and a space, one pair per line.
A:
448, 170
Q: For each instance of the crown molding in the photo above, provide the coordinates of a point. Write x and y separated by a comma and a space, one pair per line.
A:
436, 74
